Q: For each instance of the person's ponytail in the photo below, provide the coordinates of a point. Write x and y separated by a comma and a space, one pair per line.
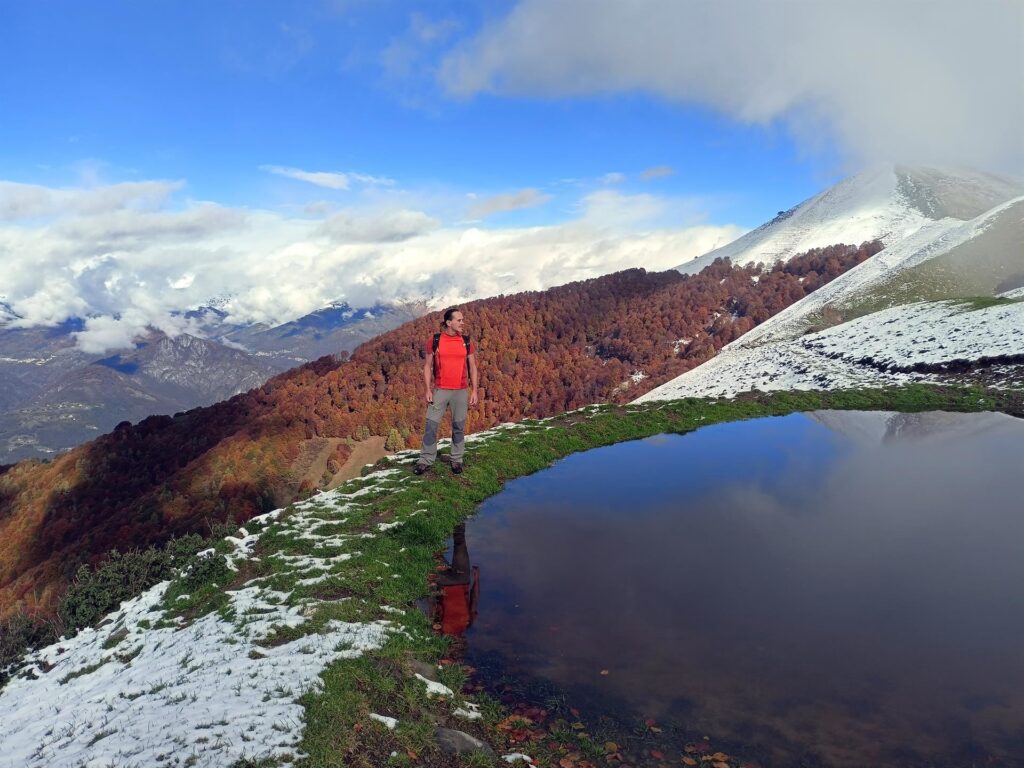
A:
448, 315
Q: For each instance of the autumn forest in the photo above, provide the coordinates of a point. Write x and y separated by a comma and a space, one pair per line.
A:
609, 339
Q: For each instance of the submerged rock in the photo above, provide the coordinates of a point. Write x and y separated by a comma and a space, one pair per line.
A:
454, 742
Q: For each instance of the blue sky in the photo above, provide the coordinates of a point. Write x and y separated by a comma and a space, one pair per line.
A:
278, 156
210, 92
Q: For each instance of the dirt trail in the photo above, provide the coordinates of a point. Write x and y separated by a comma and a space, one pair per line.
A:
364, 452
311, 466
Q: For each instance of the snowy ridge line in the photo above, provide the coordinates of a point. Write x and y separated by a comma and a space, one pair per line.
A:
865, 207
932, 240
887, 203
147, 687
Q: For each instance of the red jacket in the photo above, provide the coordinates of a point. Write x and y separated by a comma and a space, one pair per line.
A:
450, 370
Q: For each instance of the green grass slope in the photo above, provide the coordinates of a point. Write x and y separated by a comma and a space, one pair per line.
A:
363, 554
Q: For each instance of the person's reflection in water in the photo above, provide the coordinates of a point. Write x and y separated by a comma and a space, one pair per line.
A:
458, 590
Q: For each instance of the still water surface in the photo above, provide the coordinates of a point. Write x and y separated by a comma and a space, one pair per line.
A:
843, 588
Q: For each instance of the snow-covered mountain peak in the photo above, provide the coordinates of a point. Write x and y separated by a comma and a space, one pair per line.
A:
943, 303
959, 193
885, 202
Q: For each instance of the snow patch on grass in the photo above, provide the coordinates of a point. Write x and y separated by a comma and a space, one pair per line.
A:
865, 352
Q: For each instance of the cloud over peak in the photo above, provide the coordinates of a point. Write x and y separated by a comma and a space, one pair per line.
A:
934, 83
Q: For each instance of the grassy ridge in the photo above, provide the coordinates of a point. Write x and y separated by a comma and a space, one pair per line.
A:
337, 729
365, 553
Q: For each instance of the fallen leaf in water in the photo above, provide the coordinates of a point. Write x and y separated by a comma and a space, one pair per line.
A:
719, 765
689, 761
565, 762
657, 755
720, 757
575, 712
604, 672
611, 746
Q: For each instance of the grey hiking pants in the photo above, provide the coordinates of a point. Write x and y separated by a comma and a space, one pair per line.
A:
458, 400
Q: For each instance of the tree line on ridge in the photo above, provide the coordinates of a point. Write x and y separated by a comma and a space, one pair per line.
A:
608, 339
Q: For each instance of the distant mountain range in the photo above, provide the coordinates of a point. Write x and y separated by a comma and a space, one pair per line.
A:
53, 396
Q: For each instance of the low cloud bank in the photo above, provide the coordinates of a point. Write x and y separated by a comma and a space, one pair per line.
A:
127, 257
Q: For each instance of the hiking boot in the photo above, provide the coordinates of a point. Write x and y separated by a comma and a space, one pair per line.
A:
456, 467
420, 468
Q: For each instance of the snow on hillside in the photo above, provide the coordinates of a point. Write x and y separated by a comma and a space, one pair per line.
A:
887, 203
149, 686
134, 692
931, 254
989, 230
879, 349
925, 334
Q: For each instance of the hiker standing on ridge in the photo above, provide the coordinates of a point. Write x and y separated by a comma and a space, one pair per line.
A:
449, 354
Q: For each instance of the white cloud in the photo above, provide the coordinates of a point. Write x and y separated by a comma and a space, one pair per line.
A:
102, 334
183, 282
513, 201
657, 172
430, 31
379, 181
936, 82
318, 208
31, 201
128, 270
369, 227
327, 179
107, 230
613, 178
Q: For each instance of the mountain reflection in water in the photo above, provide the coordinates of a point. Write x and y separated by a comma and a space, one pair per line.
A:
842, 585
